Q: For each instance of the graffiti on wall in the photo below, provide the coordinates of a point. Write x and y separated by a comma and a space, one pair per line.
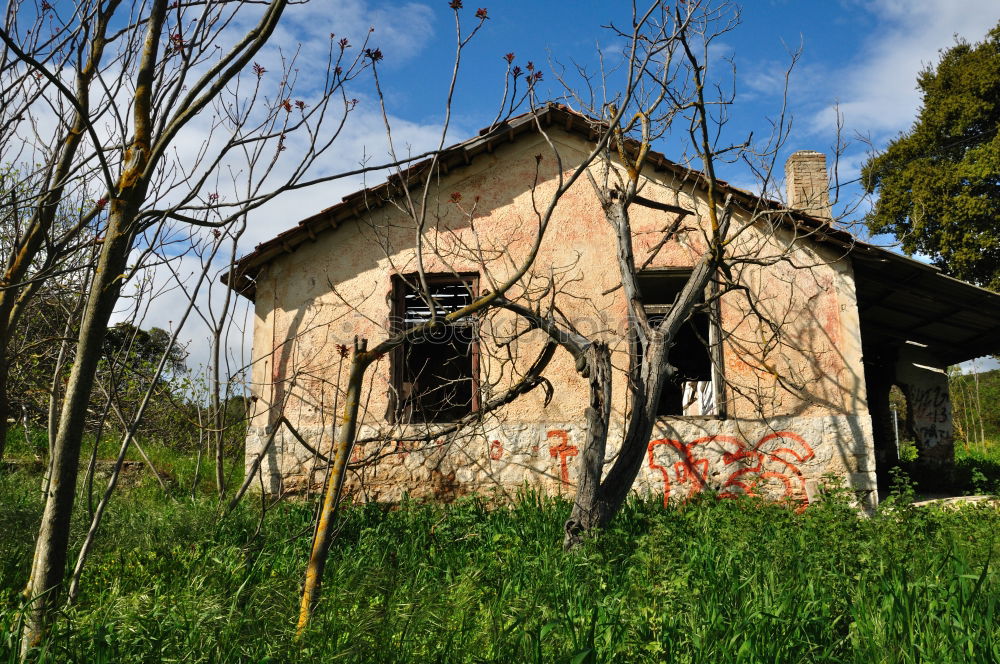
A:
769, 467
732, 466
930, 407
562, 451
496, 450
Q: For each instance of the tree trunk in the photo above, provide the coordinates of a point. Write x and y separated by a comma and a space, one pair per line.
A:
597, 502
9, 315
617, 485
585, 514
218, 430
54, 386
324, 528
49, 566
4, 404
220, 423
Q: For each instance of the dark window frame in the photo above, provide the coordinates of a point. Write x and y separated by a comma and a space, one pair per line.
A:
713, 338
398, 413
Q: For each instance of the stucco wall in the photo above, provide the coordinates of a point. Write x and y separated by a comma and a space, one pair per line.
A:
783, 458
791, 348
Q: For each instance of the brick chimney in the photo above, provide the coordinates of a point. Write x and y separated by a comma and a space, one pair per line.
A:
807, 183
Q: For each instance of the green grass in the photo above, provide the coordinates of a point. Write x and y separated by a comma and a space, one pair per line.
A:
978, 466
713, 581
28, 450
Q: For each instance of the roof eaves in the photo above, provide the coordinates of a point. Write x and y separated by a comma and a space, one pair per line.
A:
352, 205
463, 153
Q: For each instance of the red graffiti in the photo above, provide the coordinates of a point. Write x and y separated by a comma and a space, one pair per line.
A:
562, 451
496, 450
773, 458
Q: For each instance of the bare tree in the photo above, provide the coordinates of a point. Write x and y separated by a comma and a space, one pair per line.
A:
674, 50
733, 235
96, 97
414, 199
416, 203
130, 423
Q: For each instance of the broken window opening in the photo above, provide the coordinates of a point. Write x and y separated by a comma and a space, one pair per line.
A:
693, 388
904, 439
434, 376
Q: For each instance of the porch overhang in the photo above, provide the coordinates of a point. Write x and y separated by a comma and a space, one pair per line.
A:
901, 300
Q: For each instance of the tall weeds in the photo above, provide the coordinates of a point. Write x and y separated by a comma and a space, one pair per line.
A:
711, 581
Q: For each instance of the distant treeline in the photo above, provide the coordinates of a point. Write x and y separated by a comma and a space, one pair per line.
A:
975, 400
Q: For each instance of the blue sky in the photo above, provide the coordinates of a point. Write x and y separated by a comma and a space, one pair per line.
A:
862, 55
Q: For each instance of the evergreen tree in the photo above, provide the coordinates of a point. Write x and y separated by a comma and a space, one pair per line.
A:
939, 183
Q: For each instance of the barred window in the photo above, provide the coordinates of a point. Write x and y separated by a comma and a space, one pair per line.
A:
434, 376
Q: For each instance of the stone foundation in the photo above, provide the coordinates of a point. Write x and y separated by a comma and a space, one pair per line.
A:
784, 458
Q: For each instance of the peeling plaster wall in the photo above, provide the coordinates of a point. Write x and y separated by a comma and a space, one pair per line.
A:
785, 458
796, 400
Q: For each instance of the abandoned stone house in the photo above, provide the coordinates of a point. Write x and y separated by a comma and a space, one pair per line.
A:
786, 383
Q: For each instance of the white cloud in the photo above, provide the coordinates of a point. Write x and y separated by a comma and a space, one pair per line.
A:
154, 297
402, 30
877, 86
766, 79
364, 135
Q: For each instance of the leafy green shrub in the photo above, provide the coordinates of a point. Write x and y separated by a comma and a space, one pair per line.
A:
908, 451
